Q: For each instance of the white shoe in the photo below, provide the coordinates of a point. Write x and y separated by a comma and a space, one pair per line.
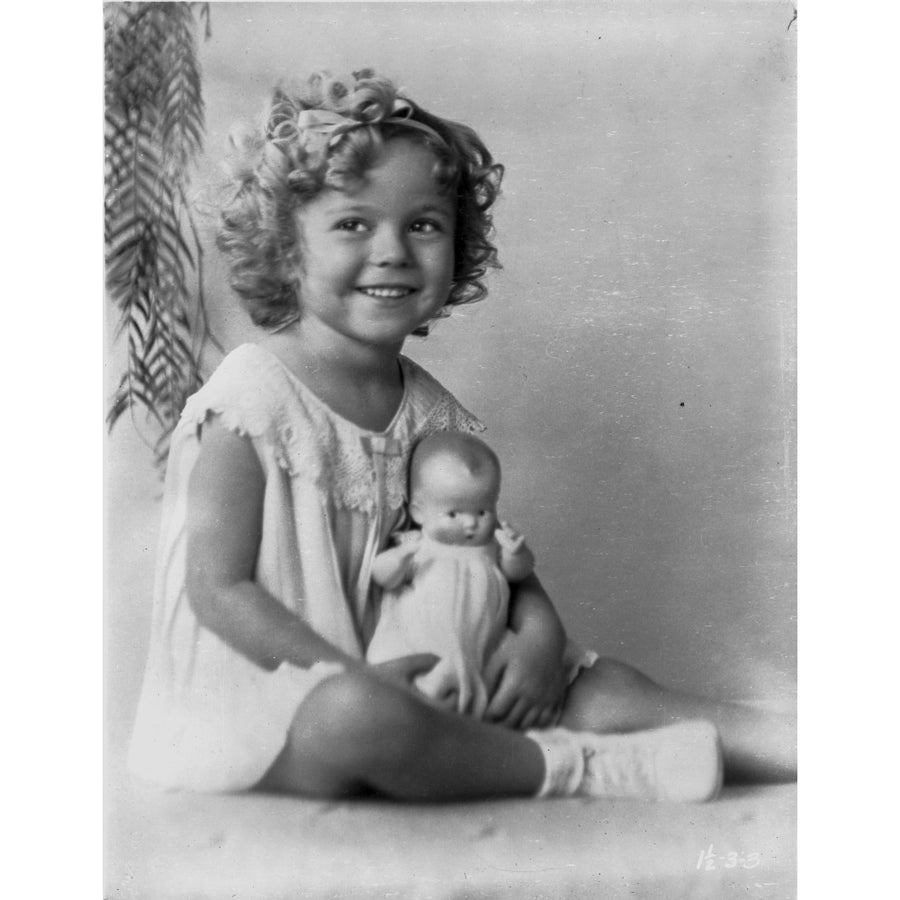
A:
681, 762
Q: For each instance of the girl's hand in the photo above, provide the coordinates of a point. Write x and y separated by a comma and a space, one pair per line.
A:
525, 681
404, 670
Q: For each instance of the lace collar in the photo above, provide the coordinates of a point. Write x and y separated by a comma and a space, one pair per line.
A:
256, 394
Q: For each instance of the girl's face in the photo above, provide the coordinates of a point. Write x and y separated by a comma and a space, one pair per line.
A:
457, 510
377, 260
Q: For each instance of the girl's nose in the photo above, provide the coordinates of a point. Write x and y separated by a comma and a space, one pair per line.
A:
390, 248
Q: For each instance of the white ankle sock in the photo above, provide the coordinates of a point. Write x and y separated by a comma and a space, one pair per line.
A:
563, 761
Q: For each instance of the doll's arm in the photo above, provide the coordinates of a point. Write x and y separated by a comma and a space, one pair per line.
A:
516, 559
393, 567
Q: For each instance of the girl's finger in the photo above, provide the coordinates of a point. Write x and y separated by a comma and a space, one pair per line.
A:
493, 676
516, 714
501, 704
531, 719
418, 663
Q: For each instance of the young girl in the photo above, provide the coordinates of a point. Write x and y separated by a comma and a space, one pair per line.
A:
447, 581
358, 219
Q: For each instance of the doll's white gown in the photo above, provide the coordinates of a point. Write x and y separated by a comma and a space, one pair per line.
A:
455, 605
208, 718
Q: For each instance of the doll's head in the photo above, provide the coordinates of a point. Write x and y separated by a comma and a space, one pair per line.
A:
327, 135
454, 485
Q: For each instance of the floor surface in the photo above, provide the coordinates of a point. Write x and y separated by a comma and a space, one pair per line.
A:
254, 846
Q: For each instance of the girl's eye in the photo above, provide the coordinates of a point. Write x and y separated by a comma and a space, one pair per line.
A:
426, 226
351, 225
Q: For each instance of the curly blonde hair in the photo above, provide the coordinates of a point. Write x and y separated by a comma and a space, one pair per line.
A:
280, 168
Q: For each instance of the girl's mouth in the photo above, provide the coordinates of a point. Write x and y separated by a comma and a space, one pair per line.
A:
386, 292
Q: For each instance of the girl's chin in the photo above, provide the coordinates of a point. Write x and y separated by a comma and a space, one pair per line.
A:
384, 337
389, 329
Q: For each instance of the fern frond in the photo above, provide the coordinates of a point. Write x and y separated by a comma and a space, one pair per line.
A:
181, 104
154, 127
204, 15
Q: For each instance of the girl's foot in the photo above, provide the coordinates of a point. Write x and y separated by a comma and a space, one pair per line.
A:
681, 762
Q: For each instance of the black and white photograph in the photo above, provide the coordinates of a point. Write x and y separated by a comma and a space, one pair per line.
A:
451, 470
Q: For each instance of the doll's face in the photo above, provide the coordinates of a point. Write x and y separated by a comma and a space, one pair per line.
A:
453, 506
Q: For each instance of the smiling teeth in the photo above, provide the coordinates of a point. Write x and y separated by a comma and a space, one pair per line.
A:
386, 293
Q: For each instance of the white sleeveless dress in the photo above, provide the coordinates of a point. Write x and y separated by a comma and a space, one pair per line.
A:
208, 718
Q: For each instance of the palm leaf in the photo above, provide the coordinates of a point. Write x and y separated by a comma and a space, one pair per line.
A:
154, 125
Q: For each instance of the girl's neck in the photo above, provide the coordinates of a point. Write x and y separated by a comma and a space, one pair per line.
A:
360, 382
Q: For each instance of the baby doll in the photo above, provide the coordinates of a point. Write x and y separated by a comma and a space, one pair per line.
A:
446, 585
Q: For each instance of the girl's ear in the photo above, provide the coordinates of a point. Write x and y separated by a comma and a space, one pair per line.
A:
415, 512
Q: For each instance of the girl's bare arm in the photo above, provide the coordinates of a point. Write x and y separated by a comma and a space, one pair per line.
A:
532, 612
224, 526
525, 672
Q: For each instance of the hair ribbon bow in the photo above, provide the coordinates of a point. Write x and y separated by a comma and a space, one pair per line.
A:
330, 126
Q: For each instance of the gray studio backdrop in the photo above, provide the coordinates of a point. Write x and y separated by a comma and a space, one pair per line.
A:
635, 358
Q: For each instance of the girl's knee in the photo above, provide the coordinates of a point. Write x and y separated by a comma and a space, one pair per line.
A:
350, 718
611, 696
618, 678
339, 736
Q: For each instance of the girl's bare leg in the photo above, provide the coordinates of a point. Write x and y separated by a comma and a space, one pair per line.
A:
613, 697
354, 734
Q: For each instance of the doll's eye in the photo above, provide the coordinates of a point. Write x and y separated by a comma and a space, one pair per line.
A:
451, 513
